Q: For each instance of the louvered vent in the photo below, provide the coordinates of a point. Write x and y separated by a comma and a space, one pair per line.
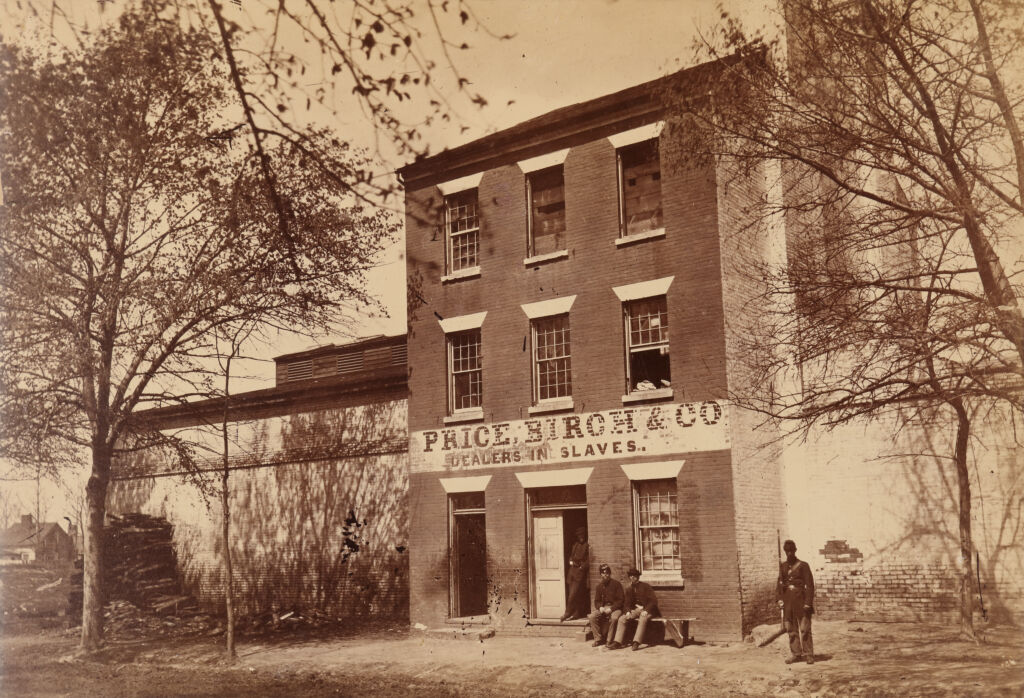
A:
399, 355
380, 356
350, 361
300, 370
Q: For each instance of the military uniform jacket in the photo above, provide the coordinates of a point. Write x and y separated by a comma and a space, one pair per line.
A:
641, 594
796, 583
608, 594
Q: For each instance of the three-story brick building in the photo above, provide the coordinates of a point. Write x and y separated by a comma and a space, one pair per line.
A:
569, 360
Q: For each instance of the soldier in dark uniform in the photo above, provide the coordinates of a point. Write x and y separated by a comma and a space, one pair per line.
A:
608, 599
578, 603
796, 598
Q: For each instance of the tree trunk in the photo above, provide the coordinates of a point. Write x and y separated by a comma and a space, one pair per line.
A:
92, 573
225, 506
963, 430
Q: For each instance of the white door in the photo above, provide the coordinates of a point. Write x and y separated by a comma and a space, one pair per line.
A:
548, 564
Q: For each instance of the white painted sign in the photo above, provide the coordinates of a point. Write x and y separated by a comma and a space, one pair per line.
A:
650, 430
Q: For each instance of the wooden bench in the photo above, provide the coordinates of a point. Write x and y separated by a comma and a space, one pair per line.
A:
676, 628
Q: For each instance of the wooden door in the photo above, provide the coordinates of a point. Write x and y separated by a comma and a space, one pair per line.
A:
548, 564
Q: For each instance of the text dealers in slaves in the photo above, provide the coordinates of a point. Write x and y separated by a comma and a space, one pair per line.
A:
649, 430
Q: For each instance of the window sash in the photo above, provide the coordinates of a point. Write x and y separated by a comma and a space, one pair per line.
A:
646, 329
552, 359
640, 207
656, 517
546, 194
465, 371
462, 230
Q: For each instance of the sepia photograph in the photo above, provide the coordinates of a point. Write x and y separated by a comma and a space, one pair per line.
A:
511, 348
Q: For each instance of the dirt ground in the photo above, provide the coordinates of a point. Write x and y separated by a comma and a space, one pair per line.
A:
852, 659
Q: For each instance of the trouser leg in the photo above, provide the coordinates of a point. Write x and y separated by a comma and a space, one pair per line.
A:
620, 633
613, 624
641, 626
595, 624
805, 635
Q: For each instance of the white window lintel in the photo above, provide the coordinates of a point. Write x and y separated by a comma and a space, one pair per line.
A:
543, 161
552, 306
459, 323
644, 289
637, 135
555, 478
454, 186
661, 470
454, 485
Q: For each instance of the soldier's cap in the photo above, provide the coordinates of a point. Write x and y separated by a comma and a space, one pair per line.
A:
789, 544
582, 530
633, 572
605, 568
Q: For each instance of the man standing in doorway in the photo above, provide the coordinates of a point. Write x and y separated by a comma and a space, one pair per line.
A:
578, 604
607, 607
641, 604
796, 598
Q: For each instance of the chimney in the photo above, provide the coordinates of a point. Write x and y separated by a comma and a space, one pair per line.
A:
27, 520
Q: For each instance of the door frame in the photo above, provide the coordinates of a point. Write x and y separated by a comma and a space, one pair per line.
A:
532, 573
453, 562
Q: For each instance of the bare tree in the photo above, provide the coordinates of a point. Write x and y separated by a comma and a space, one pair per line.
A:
894, 131
135, 229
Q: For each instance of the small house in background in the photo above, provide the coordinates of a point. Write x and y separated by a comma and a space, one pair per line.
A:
28, 541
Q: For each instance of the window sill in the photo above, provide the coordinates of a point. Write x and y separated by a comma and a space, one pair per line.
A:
664, 579
555, 405
468, 273
645, 395
549, 257
637, 237
472, 415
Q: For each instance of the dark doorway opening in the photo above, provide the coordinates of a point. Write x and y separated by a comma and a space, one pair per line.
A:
469, 555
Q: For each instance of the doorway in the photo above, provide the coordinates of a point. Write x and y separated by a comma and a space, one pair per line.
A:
555, 515
468, 554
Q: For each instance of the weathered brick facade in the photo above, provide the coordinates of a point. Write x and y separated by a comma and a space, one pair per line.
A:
729, 502
319, 485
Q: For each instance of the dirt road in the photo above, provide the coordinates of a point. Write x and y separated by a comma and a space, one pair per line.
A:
853, 659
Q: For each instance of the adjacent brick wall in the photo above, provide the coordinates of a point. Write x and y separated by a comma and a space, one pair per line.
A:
289, 521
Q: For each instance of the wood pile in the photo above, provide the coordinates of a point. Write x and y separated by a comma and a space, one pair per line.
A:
140, 566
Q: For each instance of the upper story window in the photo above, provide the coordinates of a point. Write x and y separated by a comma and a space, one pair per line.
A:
462, 231
546, 192
639, 188
465, 371
647, 355
552, 359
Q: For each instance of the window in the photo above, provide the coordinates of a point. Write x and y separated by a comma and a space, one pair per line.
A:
465, 379
546, 192
639, 188
647, 357
657, 524
462, 230
552, 360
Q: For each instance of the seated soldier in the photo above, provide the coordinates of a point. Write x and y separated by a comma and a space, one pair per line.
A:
641, 605
607, 607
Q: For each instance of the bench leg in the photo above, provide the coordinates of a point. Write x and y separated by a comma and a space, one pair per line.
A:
672, 628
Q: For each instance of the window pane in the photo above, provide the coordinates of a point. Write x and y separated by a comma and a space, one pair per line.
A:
547, 211
552, 360
641, 187
463, 228
467, 500
647, 339
658, 522
465, 375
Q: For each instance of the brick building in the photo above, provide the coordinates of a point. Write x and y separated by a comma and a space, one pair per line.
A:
569, 356
318, 485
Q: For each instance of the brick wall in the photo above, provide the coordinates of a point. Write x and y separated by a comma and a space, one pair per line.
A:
892, 498
689, 252
747, 244
289, 521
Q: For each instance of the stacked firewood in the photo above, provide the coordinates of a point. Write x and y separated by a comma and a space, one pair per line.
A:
140, 566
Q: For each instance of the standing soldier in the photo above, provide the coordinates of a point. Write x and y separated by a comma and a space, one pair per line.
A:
578, 604
796, 598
